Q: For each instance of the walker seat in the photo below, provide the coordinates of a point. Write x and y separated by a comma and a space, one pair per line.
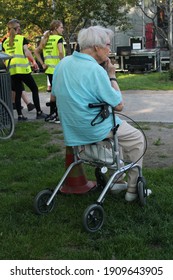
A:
101, 152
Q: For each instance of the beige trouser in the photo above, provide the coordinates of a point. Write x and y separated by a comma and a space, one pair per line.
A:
131, 144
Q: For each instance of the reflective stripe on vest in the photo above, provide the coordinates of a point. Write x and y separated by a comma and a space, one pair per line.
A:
19, 64
51, 53
51, 57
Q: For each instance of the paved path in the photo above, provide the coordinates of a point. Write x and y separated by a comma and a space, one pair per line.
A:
146, 105
149, 106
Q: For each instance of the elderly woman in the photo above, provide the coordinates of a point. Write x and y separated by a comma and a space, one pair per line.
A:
78, 80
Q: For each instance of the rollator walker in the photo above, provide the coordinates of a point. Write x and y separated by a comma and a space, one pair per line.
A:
105, 157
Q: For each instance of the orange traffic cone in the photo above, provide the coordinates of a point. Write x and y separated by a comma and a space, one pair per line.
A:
76, 182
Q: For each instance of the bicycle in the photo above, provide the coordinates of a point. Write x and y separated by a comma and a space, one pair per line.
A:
6, 121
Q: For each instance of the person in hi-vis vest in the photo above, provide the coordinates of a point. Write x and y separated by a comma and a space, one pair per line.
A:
52, 47
29, 105
16, 46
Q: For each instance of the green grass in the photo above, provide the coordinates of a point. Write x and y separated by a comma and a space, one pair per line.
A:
149, 81
41, 81
32, 161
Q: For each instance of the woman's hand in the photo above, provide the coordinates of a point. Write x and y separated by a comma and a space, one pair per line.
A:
35, 65
110, 68
45, 66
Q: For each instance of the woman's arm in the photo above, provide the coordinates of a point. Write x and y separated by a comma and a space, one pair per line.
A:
60, 49
37, 52
29, 55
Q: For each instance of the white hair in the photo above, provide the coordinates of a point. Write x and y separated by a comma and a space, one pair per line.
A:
94, 36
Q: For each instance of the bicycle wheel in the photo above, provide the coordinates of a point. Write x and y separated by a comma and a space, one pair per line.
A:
6, 121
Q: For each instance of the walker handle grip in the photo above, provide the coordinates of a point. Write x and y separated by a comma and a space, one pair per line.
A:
95, 105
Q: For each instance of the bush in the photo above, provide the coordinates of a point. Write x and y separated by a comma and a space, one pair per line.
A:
170, 74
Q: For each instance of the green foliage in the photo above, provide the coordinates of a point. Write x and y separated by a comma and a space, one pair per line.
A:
74, 14
170, 74
158, 142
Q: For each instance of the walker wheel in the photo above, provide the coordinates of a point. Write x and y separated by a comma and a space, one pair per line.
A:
40, 202
93, 218
142, 191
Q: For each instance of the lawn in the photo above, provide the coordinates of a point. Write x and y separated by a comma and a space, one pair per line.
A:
33, 160
148, 81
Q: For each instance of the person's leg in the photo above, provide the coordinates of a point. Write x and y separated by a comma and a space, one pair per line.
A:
48, 85
17, 87
131, 141
13, 95
29, 105
53, 117
25, 98
52, 98
30, 82
131, 148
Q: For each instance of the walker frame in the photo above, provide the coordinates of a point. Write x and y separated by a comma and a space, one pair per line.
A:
94, 216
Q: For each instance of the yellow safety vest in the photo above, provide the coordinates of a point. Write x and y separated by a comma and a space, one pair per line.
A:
19, 64
51, 53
